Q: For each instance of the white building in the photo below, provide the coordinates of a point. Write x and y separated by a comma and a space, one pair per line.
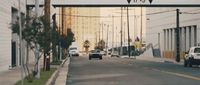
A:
9, 9
9, 42
161, 24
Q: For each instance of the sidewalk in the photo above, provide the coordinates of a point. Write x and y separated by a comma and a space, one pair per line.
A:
10, 77
62, 76
154, 59
13, 75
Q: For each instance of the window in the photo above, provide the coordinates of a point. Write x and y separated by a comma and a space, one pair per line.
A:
197, 50
73, 49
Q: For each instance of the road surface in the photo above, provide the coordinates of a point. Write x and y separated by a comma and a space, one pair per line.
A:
123, 71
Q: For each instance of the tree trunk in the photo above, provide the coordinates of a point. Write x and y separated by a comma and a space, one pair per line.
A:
27, 61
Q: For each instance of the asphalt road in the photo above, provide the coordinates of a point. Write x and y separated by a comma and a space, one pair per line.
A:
118, 71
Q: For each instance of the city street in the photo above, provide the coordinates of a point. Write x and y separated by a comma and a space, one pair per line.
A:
53, 42
124, 71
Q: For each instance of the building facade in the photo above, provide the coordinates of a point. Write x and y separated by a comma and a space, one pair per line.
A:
9, 43
161, 25
82, 21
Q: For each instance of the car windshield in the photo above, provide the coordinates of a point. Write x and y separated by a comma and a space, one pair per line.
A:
72, 48
95, 51
197, 50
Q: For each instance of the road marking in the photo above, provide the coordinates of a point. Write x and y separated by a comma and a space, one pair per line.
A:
177, 74
182, 75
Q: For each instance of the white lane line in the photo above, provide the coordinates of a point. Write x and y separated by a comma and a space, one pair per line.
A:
182, 75
178, 74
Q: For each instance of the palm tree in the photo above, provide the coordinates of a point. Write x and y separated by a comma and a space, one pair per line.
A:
86, 45
101, 44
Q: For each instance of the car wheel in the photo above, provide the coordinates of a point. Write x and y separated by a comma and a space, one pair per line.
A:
100, 58
190, 64
90, 58
185, 63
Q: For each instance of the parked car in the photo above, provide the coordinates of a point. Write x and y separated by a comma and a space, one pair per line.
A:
192, 57
95, 54
103, 52
73, 51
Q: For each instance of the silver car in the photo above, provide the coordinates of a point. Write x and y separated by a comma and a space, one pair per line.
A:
95, 54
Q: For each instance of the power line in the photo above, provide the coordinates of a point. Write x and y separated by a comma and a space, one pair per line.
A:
95, 16
160, 12
187, 12
173, 23
197, 19
190, 13
161, 18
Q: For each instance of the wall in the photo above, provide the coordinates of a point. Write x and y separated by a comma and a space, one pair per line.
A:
165, 18
6, 33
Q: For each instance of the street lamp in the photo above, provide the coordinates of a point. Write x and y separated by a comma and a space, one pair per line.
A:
128, 29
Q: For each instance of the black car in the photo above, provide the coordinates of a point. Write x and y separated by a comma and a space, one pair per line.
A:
95, 54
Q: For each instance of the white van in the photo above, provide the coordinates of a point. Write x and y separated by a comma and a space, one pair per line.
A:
73, 50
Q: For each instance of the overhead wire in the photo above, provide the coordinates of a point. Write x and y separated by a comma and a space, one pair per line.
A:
88, 16
172, 23
160, 12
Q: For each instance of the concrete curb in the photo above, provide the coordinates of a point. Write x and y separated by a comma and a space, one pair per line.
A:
154, 59
52, 79
62, 76
173, 61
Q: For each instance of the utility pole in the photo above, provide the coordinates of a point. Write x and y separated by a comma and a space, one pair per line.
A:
62, 30
107, 40
141, 28
128, 33
96, 37
102, 30
128, 29
159, 40
112, 33
177, 36
47, 31
62, 20
99, 32
59, 31
121, 50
